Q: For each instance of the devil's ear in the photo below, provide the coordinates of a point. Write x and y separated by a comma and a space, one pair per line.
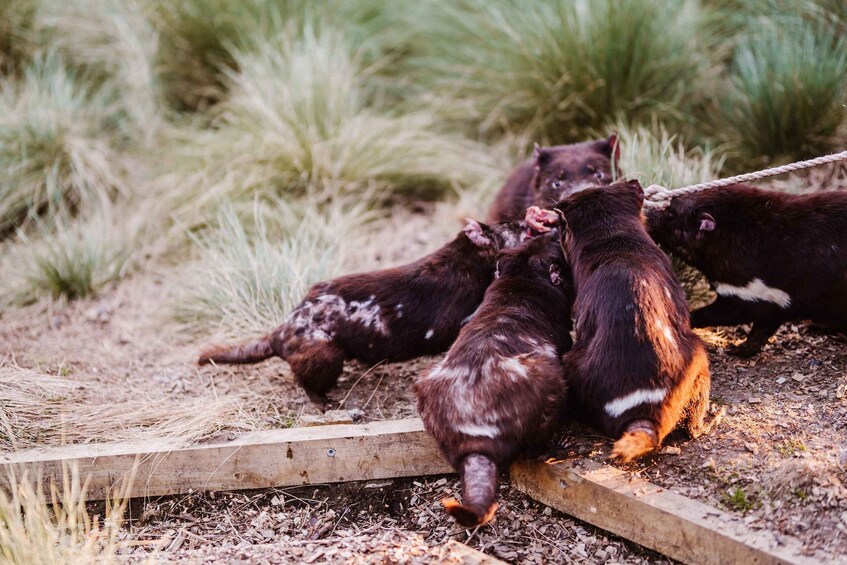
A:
562, 220
540, 156
707, 222
479, 234
636, 190
555, 274
635, 186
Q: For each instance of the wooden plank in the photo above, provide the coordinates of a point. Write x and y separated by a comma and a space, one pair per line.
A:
640, 511
468, 555
273, 458
598, 494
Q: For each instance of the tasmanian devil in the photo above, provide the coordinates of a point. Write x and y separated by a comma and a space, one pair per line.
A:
553, 173
771, 257
636, 369
499, 391
391, 314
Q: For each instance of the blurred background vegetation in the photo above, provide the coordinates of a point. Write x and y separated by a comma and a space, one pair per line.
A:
248, 147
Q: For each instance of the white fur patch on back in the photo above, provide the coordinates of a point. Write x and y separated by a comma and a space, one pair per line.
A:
755, 291
478, 430
665, 330
319, 319
513, 367
641, 396
368, 313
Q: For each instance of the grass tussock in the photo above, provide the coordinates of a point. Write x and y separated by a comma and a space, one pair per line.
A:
250, 272
56, 153
788, 92
655, 156
70, 259
42, 528
300, 118
17, 34
562, 67
116, 44
198, 38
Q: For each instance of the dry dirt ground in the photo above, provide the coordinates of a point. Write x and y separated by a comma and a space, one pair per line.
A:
114, 367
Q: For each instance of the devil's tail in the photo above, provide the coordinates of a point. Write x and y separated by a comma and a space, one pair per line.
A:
251, 352
479, 491
639, 437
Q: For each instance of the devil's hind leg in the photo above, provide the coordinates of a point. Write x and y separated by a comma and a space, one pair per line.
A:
316, 366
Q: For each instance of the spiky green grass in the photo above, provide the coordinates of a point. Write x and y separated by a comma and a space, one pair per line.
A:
40, 528
562, 67
252, 270
654, 156
788, 94
69, 259
198, 38
17, 34
56, 153
115, 43
300, 117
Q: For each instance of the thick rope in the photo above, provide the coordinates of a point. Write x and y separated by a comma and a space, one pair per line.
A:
656, 196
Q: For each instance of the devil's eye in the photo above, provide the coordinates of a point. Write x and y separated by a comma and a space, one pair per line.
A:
599, 174
556, 184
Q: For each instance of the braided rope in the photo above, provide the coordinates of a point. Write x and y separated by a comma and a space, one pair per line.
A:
659, 197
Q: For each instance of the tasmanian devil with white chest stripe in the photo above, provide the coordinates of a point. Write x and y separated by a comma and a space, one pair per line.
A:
499, 391
392, 314
637, 370
771, 257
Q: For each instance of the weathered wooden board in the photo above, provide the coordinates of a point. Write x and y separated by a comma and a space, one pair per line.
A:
602, 495
637, 510
274, 458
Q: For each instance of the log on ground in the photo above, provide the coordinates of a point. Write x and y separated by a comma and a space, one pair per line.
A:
272, 458
654, 517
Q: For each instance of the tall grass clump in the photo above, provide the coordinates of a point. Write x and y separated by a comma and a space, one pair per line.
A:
742, 16
299, 119
788, 93
17, 34
564, 67
44, 528
250, 272
56, 153
115, 43
198, 38
654, 156
66, 259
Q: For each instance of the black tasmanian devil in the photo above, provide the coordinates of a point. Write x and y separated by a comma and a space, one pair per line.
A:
392, 314
499, 391
637, 370
771, 257
553, 173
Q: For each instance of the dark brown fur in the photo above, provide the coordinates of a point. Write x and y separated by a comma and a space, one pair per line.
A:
392, 314
796, 244
552, 174
636, 369
499, 391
